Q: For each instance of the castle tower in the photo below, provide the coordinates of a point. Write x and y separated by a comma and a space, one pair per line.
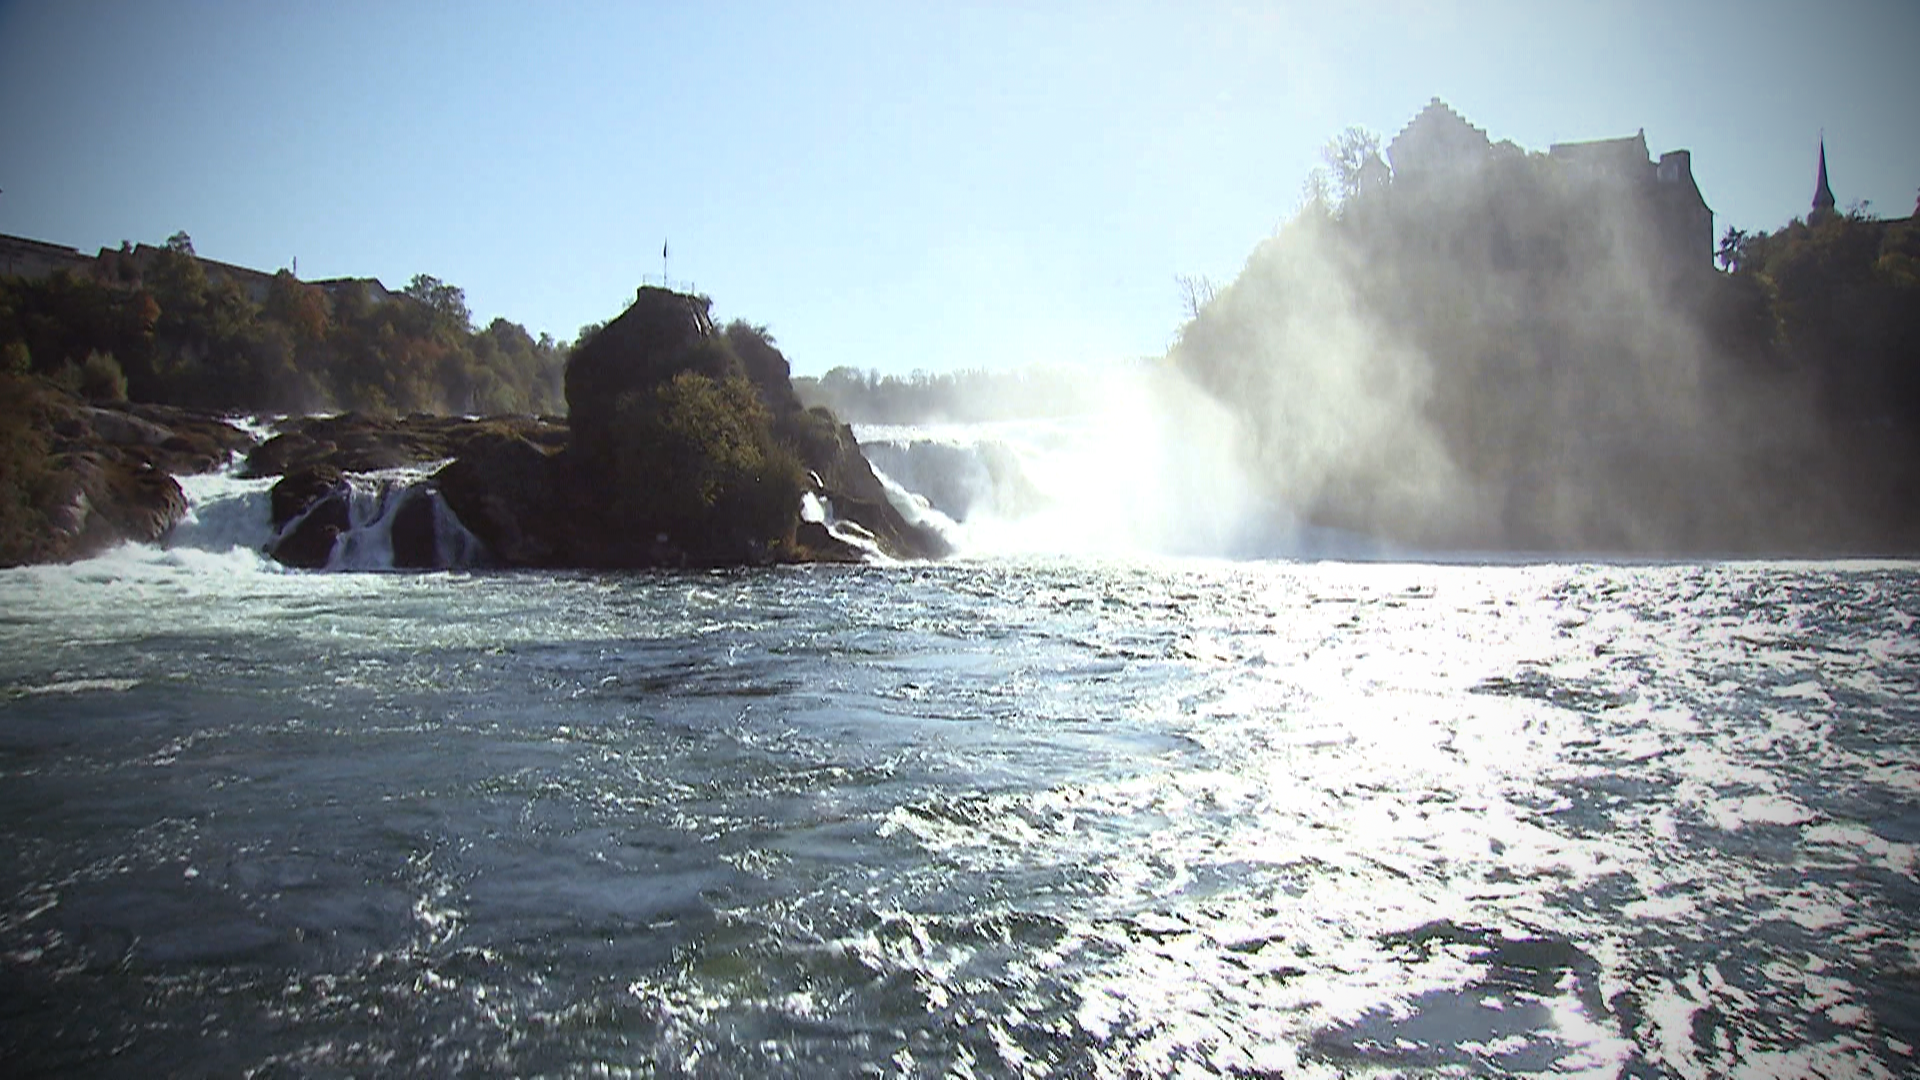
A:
1822, 194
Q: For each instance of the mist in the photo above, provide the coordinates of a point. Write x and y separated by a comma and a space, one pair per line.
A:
1484, 351
1523, 355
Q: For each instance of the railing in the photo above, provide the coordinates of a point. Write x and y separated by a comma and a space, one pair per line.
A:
662, 281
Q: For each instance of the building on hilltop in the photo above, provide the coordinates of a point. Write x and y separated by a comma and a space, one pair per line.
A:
1665, 192
1625, 158
1439, 144
372, 288
21, 257
127, 266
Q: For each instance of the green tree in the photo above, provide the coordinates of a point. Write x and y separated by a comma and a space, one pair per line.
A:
446, 301
301, 307
709, 464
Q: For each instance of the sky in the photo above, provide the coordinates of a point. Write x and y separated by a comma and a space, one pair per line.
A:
900, 186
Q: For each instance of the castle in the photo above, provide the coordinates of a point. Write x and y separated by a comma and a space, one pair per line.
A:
1438, 144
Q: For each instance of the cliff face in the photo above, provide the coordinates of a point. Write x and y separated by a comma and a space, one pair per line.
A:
649, 343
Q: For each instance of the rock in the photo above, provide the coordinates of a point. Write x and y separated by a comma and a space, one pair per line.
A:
661, 335
194, 442
414, 533
357, 443
645, 345
505, 491
100, 501
848, 481
816, 544
125, 429
311, 507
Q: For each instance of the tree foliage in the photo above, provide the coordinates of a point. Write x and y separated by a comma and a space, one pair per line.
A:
704, 462
181, 336
447, 302
1843, 300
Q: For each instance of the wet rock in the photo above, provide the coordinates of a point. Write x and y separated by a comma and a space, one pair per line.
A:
848, 481
357, 443
414, 535
312, 507
505, 490
645, 345
99, 501
817, 544
660, 336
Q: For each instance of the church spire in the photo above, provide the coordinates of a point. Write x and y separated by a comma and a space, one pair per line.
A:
1822, 194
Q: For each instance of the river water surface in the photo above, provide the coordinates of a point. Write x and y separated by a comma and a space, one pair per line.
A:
1022, 816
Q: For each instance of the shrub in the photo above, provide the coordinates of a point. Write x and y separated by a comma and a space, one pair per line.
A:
101, 378
697, 460
25, 473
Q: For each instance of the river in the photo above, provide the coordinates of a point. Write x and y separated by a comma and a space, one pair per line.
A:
1020, 815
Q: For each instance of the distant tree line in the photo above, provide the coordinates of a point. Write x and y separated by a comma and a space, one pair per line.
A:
868, 397
164, 332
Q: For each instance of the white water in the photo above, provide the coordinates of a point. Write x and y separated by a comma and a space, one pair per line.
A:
819, 510
376, 504
1155, 471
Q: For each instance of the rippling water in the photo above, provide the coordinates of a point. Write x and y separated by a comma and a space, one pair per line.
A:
1029, 817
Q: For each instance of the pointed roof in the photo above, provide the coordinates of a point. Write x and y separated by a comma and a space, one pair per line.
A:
1822, 194
1437, 139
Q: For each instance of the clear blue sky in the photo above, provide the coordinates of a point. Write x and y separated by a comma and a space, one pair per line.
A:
894, 185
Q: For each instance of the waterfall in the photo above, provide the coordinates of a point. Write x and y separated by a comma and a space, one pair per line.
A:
397, 520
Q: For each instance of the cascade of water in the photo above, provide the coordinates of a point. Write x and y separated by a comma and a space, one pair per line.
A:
918, 510
455, 545
397, 520
820, 511
368, 542
224, 513
1155, 471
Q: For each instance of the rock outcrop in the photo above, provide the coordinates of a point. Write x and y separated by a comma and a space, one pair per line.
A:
77, 478
666, 346
352, 442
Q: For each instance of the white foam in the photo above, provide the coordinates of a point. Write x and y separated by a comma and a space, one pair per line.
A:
819, 510
1153, 471
374, 506
224, 512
